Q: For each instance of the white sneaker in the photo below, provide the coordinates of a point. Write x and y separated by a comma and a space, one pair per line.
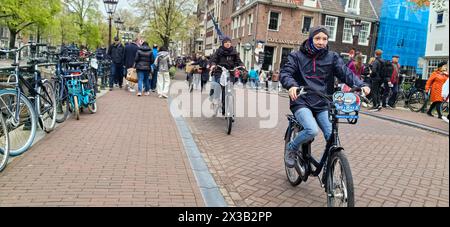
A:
132, 90
445, 119
364, 104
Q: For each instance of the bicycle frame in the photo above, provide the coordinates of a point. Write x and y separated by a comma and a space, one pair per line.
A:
332, 144
18, 77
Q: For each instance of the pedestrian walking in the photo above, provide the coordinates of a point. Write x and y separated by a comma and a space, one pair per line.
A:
154, 78
275, 80
377, 78
204, 65
131, 49
253, 75
143, 61
434, 88
393, 84
163, 62
116, 54
445, 97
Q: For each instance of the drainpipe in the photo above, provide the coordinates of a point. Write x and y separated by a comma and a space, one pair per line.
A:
256, 32
374, 39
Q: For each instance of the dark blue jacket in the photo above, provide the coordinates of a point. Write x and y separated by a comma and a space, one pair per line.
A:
317, 72
130, 54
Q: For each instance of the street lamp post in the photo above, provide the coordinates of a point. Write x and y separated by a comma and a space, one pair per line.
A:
119, 24
110, 7
356, 29
247, 47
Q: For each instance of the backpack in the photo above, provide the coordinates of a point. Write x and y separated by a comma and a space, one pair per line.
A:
386, 69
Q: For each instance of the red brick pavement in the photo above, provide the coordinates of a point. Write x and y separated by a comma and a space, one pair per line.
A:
420, 118
127, 154
392, 164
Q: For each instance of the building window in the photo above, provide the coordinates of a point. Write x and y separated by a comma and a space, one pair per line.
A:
331, 23
432, 65
307, 21
347, 36
352, 6
274, 21
440, 18
250, 24
364, 34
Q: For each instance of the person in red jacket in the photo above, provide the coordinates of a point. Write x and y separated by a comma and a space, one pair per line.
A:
434, 85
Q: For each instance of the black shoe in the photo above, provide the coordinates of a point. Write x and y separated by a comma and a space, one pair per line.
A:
110, 89
429, 114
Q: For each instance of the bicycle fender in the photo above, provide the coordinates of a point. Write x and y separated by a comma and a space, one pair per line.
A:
288, 129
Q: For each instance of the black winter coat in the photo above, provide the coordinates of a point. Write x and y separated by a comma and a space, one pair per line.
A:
316, 72
130, 54
144, 58
228, 58
116, 53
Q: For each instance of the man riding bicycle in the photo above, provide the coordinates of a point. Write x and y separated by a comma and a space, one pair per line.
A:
226, 56
314, 66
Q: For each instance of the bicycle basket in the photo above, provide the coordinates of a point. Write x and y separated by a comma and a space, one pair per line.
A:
346, 104
74, 86
224, 78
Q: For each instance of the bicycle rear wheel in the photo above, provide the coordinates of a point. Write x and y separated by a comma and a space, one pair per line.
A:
21, 132
46, 106
417, 101
339, 184
4, 144
62, 104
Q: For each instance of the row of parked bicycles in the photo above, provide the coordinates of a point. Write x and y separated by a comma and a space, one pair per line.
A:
29, 101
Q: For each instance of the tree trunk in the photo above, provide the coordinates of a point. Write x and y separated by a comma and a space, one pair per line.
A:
12, 38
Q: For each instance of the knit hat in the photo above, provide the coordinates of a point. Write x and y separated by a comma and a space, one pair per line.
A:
441, 64
225, 39
317, 29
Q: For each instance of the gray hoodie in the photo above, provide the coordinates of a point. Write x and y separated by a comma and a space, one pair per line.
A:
163, 61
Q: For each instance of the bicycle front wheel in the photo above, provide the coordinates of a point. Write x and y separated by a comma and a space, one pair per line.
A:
417, 101
339, 184
229, 112
22, 130
76, 107
46, 106
4, 144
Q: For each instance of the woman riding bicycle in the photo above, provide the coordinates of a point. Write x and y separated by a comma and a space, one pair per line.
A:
226, 56
314, 66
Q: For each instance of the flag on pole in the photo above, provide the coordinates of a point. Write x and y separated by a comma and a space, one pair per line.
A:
216, 26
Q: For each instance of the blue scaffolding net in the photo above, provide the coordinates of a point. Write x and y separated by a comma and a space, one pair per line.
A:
403, 32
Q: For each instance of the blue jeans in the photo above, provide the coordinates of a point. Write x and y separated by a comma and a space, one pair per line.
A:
311, 126
143, 78
116, 74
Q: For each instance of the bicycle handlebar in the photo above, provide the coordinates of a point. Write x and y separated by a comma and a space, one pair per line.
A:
20, 48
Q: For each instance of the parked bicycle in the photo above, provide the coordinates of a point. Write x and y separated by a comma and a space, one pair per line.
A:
224, 100
81, 92
4, 144
22, 113
337, 177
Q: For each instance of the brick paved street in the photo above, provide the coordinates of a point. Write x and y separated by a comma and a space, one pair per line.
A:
106, 159
392, 164
127, 154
